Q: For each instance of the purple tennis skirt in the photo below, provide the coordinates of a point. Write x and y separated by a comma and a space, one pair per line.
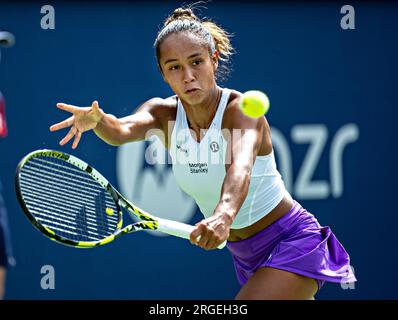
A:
296, 243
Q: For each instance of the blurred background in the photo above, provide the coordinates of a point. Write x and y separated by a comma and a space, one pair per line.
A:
333, 109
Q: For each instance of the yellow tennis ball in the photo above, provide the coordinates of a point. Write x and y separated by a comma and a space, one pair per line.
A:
109, 211
254, 103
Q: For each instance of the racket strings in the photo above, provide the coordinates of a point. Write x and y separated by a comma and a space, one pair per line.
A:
67, 200
35, 189
62, 216
86, 185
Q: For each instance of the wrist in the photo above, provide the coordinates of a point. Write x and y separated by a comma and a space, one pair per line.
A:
100, 117
228, 218
225, 213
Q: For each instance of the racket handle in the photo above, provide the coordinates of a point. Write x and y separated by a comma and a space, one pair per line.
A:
178, 229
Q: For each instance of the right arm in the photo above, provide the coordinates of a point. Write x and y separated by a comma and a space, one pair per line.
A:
151, 115
134, 127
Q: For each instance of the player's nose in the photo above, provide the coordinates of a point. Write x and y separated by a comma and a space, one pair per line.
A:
188, 76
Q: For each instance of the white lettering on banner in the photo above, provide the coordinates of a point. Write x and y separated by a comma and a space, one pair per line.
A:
48, 280
348, 20
316, 136
48, 20
347, 134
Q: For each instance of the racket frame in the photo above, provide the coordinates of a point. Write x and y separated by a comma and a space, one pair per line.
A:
148, 222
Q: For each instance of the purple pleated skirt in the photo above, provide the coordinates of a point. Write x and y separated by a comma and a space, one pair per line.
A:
296, 242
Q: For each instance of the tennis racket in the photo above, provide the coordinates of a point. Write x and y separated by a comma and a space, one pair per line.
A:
73, 204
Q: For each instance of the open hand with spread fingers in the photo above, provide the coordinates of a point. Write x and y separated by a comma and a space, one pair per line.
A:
82, 119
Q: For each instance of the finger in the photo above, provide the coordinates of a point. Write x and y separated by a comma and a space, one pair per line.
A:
77, 139
195, 234
210, 236
203, 242
69, 136
95, 110
211, 244
204, 239
67, 107
95, 105
63, 124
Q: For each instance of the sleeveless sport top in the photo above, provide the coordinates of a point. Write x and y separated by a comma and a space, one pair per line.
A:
199, 169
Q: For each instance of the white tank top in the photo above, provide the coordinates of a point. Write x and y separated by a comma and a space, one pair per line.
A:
199, 169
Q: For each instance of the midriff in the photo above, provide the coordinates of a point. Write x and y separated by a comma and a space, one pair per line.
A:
279, 211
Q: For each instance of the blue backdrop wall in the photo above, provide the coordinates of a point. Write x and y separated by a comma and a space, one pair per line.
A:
333, 98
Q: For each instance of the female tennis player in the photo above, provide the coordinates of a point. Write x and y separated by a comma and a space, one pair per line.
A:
279, 249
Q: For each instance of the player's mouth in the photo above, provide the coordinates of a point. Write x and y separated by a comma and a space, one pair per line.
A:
193, 90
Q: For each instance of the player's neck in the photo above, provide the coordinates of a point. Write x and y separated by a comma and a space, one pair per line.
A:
201, 116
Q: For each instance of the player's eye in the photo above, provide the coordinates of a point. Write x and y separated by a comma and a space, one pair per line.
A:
197, 62
174, 67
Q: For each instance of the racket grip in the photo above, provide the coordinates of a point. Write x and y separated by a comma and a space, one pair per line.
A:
179, 229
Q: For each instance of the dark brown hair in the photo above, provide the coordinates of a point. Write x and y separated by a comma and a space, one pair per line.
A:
215, 37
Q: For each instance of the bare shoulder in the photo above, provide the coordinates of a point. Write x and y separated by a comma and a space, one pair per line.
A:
161, 107
234, 118
232, 110
234, 98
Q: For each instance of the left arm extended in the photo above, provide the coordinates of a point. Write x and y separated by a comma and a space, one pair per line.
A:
244, 141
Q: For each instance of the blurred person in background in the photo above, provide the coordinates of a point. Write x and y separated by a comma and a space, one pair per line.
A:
6, 257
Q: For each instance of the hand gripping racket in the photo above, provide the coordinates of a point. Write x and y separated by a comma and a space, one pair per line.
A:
73, 204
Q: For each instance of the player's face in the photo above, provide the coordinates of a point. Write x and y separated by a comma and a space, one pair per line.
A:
187, 67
